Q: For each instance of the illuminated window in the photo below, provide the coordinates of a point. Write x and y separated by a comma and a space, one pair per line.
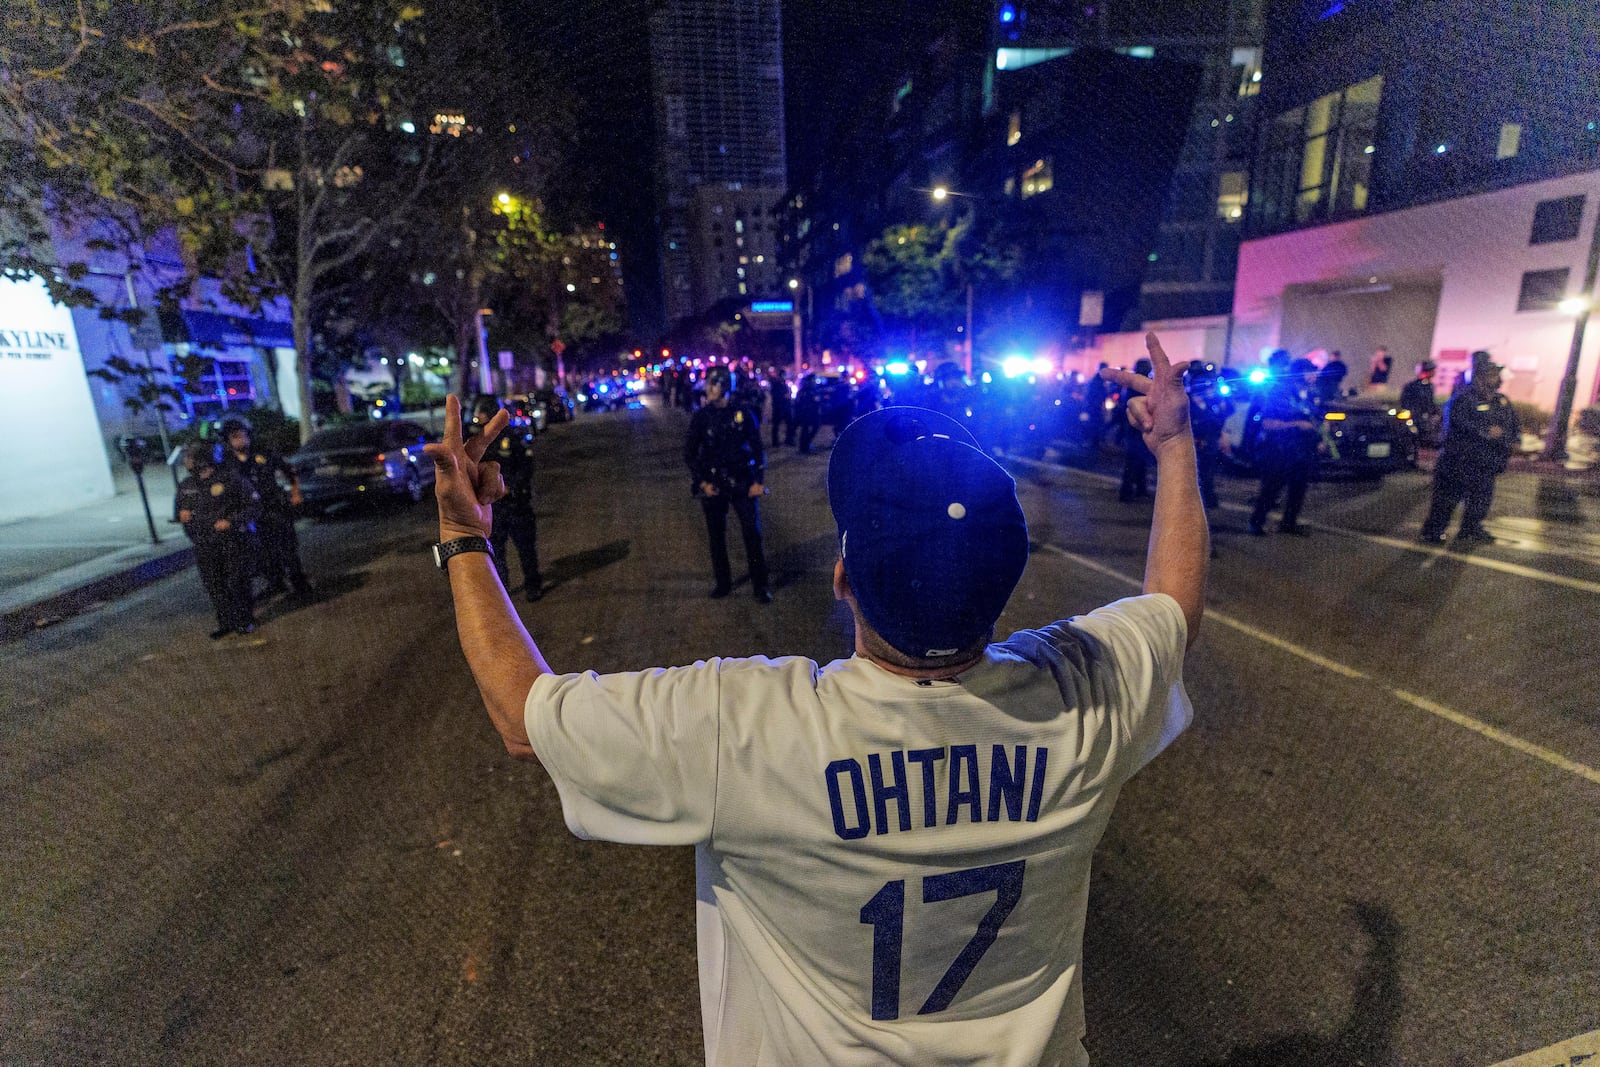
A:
738, 225
1316, 162
1037, 179
1510, 140
1014, 128
1233, 192
744, 259
743, 289
1247, 64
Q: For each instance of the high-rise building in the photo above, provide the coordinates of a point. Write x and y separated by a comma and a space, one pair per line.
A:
717, 75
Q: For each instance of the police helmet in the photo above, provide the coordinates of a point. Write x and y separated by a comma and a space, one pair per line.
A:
722, 375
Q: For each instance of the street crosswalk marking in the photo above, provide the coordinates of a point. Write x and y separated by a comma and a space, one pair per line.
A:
1450, 715
1438, 554
1583, 1049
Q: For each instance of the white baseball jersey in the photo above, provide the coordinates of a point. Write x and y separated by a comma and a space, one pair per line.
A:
888, 870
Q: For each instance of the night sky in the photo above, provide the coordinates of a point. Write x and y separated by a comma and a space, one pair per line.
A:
833, 49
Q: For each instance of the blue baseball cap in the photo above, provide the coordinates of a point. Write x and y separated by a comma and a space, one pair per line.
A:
932, 535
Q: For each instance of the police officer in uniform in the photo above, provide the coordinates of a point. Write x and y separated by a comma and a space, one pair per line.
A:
1480, 430
218, 510
782, 405
1286, 451
1209, 411
726, 467
808, 411
1418, 398
278, 558
513, 513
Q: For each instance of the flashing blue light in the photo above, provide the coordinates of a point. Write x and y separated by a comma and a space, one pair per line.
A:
1258, 376
1441, 149
987, 378
1331, 10
772, 307
605, 389
1224, 390
1015, 366
1008, 13
897, 367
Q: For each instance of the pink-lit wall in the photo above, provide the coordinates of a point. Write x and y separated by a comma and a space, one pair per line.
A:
1476, 247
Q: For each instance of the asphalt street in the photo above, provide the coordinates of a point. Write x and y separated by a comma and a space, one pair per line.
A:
1376, 845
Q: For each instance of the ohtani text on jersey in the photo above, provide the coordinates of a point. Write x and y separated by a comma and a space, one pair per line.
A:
1013, 776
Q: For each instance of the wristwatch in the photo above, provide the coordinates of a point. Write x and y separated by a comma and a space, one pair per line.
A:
442, 552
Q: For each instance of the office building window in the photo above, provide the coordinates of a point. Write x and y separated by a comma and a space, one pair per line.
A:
1247, 66
738, 225
1316, 161
1510, 140
1542, 290
1233, 192
1014, 128
1556, 220
1037, 179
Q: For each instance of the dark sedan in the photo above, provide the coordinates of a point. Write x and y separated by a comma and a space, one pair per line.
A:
363, 461
1362, 437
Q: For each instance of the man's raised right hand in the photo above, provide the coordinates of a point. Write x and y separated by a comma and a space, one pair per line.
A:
1161, 412
464, 485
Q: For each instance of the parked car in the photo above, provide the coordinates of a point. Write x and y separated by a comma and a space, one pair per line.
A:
363, 461
1364, 437
528, 412
603, 394
558, 405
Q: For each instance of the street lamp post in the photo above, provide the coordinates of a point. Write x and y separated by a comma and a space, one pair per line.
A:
940, 194
1556, 447
799, 344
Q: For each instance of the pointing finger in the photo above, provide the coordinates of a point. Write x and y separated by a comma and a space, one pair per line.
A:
1158, 356
1137, 382
480, 443
452, 420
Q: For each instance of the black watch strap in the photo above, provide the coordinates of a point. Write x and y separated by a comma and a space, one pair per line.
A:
443, 551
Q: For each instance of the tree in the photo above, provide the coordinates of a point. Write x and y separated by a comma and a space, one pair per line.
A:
256, 131
919, 274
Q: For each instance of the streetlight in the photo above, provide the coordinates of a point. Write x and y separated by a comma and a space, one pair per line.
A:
799, 346
505, 199
794, 283
1579, 307
940, 193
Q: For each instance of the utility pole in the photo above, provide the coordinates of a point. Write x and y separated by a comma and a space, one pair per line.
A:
1556, 448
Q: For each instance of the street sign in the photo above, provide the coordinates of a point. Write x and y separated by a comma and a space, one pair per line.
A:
1091, 308
507, 360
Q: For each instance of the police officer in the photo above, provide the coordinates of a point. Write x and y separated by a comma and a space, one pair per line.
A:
1286, 451
1418, 398
278, 555
1209, 411
1136, 457
726, 467
1480, 430
218, 510
513, 513
782, 405
808, 411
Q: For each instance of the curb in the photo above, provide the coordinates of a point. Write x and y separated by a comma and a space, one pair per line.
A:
20, 620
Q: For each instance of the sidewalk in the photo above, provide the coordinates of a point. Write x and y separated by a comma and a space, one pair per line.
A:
58, 565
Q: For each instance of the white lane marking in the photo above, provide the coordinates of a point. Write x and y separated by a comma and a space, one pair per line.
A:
1568, 1053
1436, 554
1467, 722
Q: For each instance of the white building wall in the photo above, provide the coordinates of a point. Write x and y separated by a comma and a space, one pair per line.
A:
52, 457
1477, 247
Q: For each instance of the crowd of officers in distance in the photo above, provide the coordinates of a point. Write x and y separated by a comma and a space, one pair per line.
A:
238, 506
239, 502
1476, 430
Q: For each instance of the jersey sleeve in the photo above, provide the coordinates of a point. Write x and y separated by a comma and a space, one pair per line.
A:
1141, 640
633, 756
